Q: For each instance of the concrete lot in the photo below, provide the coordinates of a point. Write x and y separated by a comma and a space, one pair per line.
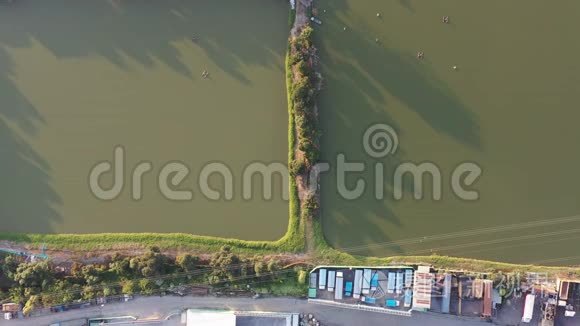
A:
380, 294
253, 321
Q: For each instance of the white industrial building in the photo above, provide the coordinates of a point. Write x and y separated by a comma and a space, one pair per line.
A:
196, 317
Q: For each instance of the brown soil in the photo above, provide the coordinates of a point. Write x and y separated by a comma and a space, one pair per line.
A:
301, 16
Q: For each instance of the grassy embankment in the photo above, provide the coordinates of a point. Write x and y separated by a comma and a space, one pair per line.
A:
294, 239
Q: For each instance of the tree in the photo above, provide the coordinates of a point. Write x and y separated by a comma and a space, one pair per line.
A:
187, 262
260, 268
130, 287
34, 276
225, 264
92, 275
32, 304
147, 286
152, 263
10, 265
90, 292
273, 266
121, 266
302, 275
109, 291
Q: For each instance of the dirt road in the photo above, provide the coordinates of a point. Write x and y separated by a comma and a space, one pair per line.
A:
164, 306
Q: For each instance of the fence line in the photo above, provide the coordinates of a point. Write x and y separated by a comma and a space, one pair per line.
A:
360, 307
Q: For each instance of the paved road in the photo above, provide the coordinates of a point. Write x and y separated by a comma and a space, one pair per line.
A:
163, 306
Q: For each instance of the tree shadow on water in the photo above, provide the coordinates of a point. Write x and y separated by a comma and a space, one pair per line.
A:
362, 75
27, 200
232, 33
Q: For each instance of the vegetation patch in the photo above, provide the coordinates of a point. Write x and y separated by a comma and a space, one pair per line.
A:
44, 284
291, 242
302, 93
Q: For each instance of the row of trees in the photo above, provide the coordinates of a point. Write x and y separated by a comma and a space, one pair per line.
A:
303, 93
43, 284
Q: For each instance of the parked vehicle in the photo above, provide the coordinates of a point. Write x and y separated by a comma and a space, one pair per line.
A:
348, 289
408, 298
391, 283
331, 280
368, 300
529, 308
374, 281
358, 281
366, 287
322, 279
338, 286
399, 285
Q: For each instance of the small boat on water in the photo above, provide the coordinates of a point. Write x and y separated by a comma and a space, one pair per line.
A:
316, 20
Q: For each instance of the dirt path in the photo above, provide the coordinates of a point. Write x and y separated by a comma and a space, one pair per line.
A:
309, 236
301, 15
96, 256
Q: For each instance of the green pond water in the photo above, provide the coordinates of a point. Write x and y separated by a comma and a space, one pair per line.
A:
511, 106
79, 77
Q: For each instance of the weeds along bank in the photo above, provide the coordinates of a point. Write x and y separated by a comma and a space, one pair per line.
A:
304, 84
44, 284
291, 242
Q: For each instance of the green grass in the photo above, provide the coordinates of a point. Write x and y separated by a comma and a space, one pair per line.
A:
291, 18
444, 263
295, 228
81, 242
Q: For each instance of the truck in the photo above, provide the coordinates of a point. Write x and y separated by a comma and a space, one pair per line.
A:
399, 285
368, 300
408, 298
348, 289
529, 308
391, 283
322, 279
374, 281
366, 287
446, 301
331, 280
313, 284
408, 278
358, 281
338, 286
